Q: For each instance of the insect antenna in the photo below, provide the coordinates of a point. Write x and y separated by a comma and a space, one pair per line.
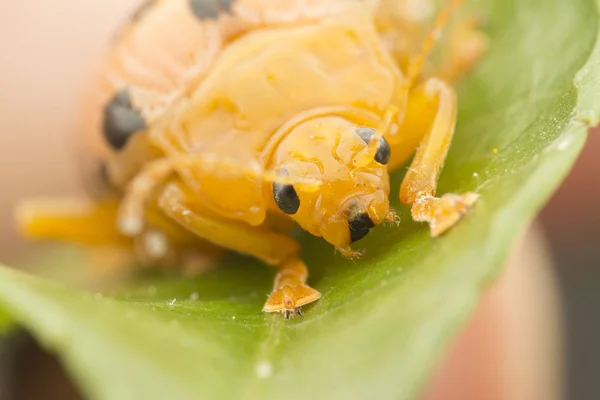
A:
414, 69
441, 21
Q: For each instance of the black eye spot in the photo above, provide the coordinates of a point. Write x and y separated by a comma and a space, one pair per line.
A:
210, 9
360, 226
121, 120
383, 151
285, 196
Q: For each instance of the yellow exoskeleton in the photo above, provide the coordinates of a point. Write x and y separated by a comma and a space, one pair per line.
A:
213, 122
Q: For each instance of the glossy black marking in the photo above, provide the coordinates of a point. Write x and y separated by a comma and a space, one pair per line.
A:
359, 227
382, 156
285, 196
210, 9
121, 120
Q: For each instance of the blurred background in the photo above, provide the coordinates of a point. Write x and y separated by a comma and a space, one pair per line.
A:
48, 56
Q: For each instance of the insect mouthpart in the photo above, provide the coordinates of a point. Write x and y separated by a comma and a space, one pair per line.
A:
360, 226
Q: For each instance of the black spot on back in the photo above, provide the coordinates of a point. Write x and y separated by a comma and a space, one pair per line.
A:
121, 120
210, 9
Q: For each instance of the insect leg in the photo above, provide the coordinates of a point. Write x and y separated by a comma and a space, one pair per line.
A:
92, 223
75, 220
437, 99
417, 63
80, 220
130, 220
466, 46
143, 187
290, 291
397, 108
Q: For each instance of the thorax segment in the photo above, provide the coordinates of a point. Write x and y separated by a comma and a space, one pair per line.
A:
262, 81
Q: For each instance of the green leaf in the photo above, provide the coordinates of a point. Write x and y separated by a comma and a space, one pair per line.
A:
384, 319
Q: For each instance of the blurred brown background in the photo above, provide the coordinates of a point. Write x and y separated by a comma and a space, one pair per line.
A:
48, 55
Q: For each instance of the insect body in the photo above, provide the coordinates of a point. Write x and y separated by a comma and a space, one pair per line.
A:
214, 120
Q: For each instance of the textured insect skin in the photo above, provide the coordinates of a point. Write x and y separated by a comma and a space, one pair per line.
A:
217, 121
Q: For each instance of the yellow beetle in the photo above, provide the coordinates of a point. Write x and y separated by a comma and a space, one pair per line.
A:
215, 121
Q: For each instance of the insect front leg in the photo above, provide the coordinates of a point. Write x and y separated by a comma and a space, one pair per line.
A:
92, 223
290, 290
429, 122
396, 110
